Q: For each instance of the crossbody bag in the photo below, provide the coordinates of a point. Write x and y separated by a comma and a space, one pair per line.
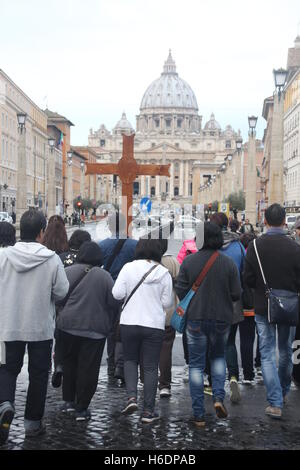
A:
178, 320
283, 305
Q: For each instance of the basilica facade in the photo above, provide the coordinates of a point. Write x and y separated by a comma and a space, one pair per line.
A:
169, 129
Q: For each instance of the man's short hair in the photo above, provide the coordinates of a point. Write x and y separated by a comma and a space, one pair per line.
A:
213, 236
275, 215
31, 224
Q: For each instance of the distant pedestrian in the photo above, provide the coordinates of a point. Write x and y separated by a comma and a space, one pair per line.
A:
280, 260
234, 226
7, 235
147, 286
209, 317
117, 250
85, 320
247, 227
32, 278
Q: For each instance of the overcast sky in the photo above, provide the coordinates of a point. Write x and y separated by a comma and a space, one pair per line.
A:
95, 58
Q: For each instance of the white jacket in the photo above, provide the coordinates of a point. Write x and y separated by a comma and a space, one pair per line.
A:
146, 306
32, 278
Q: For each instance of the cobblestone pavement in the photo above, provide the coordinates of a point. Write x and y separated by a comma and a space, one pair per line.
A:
246, 428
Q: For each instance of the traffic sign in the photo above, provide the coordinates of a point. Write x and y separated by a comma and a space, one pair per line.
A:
146, 204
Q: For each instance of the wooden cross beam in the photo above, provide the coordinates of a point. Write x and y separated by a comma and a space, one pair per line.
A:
127, 169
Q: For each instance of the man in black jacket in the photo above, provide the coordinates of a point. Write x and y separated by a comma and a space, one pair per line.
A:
280, 259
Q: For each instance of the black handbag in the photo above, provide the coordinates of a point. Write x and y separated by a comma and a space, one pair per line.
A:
283, 305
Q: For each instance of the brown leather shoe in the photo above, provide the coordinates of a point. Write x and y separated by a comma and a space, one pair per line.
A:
199, 422
221, 411
274, 412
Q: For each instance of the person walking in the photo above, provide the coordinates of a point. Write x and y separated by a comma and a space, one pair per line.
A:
247, 328
86, 318
247, 227
296, 368
117, 250
28, 267
209, 317
232, 248
77, 238
165, 359
147, 288
7, 235
280, 260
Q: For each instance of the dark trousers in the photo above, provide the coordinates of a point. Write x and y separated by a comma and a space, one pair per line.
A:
231, 354
81, 360
247, 338
114, 348
185, 348
146, 342
57, 349
39, 363
165, 360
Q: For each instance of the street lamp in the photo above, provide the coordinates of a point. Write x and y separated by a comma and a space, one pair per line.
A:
239, 144
51, 142
229, 157
252, 120
70, 155
280, 76
21, 121
82, 166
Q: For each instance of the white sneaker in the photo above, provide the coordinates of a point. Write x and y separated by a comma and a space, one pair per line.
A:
248, 382
206, 381
235, 395
165, 392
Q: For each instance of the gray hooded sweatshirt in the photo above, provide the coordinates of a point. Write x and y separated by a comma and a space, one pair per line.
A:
32, 279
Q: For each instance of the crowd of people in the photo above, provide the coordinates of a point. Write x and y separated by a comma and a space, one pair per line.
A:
122, 293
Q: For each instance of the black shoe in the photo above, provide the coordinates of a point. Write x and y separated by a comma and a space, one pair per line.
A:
110, 371
84, 415
36, 432
119, 373
7, 413
57, 377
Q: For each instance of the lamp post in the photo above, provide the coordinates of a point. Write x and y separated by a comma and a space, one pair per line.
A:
51, 178
251, 173
240, 175
21, 202
70, 182
275, 184
82, 176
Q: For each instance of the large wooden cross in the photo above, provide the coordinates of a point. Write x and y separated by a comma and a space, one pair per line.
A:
127, 169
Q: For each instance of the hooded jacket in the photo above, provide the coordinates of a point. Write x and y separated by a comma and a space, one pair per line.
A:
146, 306
188, 247
32, 279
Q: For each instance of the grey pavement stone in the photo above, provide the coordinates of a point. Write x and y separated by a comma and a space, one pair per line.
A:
247, 427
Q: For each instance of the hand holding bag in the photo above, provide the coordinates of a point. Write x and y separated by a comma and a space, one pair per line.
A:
283, 305
178, 320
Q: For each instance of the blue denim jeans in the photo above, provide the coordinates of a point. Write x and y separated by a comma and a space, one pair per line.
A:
201, 335
278, 382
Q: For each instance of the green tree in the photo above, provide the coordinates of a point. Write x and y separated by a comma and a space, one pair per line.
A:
237, 200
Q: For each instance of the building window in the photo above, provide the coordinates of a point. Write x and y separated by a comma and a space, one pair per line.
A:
179, 123
136, 187
157, 122
102, 142
168, 123
228, 144
176, 191
211, 133
152, 190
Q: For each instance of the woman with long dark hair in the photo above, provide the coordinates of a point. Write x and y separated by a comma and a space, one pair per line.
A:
55, 237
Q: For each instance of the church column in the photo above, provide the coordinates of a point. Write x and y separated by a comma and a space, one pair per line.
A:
148, 187
186, 183
171, 185
157, 186
142, 188
181, 176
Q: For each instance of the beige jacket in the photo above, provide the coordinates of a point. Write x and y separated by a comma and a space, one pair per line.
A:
172, 265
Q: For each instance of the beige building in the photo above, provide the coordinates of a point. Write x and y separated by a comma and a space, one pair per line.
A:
12, 101
168, 130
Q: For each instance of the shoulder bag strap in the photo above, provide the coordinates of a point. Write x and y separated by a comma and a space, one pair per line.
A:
76, 283
204, 271
117, 249
259, 262
138, 285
